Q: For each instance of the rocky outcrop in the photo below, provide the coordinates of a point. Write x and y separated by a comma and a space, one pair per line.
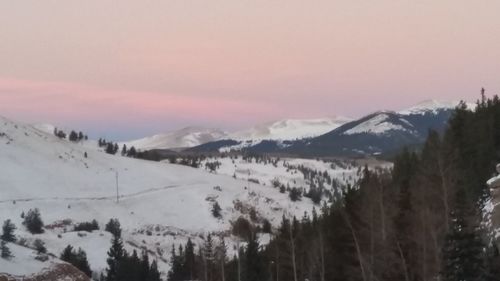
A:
494, 185
56, 272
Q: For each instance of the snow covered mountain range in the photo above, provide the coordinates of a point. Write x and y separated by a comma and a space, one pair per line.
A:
282, 133
374, 134
286, 129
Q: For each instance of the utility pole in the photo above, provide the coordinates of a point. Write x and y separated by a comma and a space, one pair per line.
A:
117, 194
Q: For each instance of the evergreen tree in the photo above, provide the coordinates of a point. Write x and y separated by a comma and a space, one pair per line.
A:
77, 258
116, 255
254, 267
208, 257
462, 250
144, 265
175, 272
124, 150
8, 229
190, 261
5, 252
216, 210
82, 263
113, 227
154, 274
39, 246
33, 221
73, 136
110, 148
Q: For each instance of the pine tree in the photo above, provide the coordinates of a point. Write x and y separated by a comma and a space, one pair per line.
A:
77, 258
124, 150
5, 252
73, 136
208, 257
175, 272
144, 266
39, 246
116, 255
220, 256
132, 152
67, 254
33, 221
113, 227
82, 263
110, 148
462, 250
8, 231
254, 266
154, 274
216, 210
190, 261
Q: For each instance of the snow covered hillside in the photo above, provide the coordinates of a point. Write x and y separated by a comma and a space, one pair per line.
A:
380, 123
186, 137
159, 203
24, 264
293, 172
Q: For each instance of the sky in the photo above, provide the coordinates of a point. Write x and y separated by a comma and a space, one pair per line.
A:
126, 69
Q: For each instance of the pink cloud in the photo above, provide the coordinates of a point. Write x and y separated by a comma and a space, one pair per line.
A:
39, 101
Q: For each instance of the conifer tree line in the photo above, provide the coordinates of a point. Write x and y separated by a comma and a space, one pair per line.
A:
73, 135
113, 148
123, 266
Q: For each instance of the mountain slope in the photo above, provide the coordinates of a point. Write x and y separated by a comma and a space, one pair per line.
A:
172, 202
186, 137
290, 129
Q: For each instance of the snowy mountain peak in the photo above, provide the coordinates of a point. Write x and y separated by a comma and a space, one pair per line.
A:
432, 106
290, 129
186, 137
380, 123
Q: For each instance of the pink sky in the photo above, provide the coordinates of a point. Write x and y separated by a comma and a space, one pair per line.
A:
129, 68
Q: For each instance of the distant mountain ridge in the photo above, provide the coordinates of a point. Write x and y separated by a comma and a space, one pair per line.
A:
377, 133
186, 137
290, 129
286, 129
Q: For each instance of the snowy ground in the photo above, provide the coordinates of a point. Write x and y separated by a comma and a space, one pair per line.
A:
288, 170
173, 202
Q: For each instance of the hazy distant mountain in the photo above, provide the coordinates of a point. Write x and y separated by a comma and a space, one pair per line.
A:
186, 137
290, 129
287, 129
376, 133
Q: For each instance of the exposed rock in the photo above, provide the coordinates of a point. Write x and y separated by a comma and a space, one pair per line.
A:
57, 272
